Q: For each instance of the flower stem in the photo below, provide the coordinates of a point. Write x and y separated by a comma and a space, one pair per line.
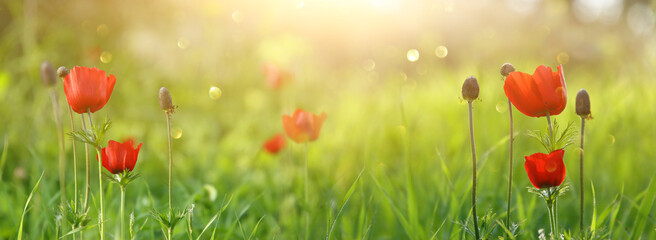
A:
306, 195
101, 225
510, 165
122, 212
70, 111
60, 135
86, 167
581, 172
168, 127
551, 135
473, 146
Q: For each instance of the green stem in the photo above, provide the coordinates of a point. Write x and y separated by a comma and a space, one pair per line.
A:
86, 168
551, 218
122, 212
101, 225
473, 146
306, 195
510, 164
581, 173
171, 214
70, 111
61, 156
551, 135
168, 127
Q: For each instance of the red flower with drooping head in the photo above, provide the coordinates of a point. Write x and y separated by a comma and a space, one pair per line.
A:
88, 89
303, 126
546, 170
275, 144
538, 94
117, 157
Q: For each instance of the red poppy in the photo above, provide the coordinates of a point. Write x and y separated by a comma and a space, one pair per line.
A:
275, 144
275, 77
303, 126
545, 170
535, 95
88, 88
117, 157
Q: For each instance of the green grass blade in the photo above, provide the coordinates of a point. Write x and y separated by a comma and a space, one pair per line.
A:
208, 225
643, 211
27, 203
593, 225
3, 159
344, 202
399, 214
255, 228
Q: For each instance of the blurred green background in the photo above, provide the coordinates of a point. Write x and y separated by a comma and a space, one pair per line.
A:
369, 64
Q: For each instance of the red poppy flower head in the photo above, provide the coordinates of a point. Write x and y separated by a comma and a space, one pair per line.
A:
275, 144
88, 89
275, 77
117, 157
538, 94
545, 170
303, 126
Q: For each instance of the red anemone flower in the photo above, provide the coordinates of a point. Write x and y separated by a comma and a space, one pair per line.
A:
303, 126
88, 88
117, 157
275, 77
275, 144
546, 170
538, 94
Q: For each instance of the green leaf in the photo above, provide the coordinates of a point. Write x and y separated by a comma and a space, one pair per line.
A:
27, 203
344, 202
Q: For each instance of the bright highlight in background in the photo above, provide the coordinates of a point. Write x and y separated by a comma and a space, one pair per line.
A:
215, 93
412, 55
441, 52
176, 133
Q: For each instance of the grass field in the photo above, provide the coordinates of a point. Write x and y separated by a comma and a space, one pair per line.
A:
393, 158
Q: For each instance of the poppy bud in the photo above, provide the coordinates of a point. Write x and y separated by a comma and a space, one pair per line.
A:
165, 102
470, 89
48, 74
62, 72
506, 69
583, 104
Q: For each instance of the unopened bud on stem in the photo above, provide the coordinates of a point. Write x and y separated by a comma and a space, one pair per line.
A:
165, 102
470, 89
48, 74
506, 69
62, 72
583, 104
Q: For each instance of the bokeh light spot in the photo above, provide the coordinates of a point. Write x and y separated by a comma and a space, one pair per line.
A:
412, 55
441, 52
502, 106
215, 93
300, 4
369, 65
183, 43
562, 58
176, 133
237, 16
102, 30
106, 57
611, 140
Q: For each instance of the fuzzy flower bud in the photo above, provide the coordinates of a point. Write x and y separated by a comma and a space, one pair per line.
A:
62, 72
506, 69
470, 89
48, 74
165, 102
583, 104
